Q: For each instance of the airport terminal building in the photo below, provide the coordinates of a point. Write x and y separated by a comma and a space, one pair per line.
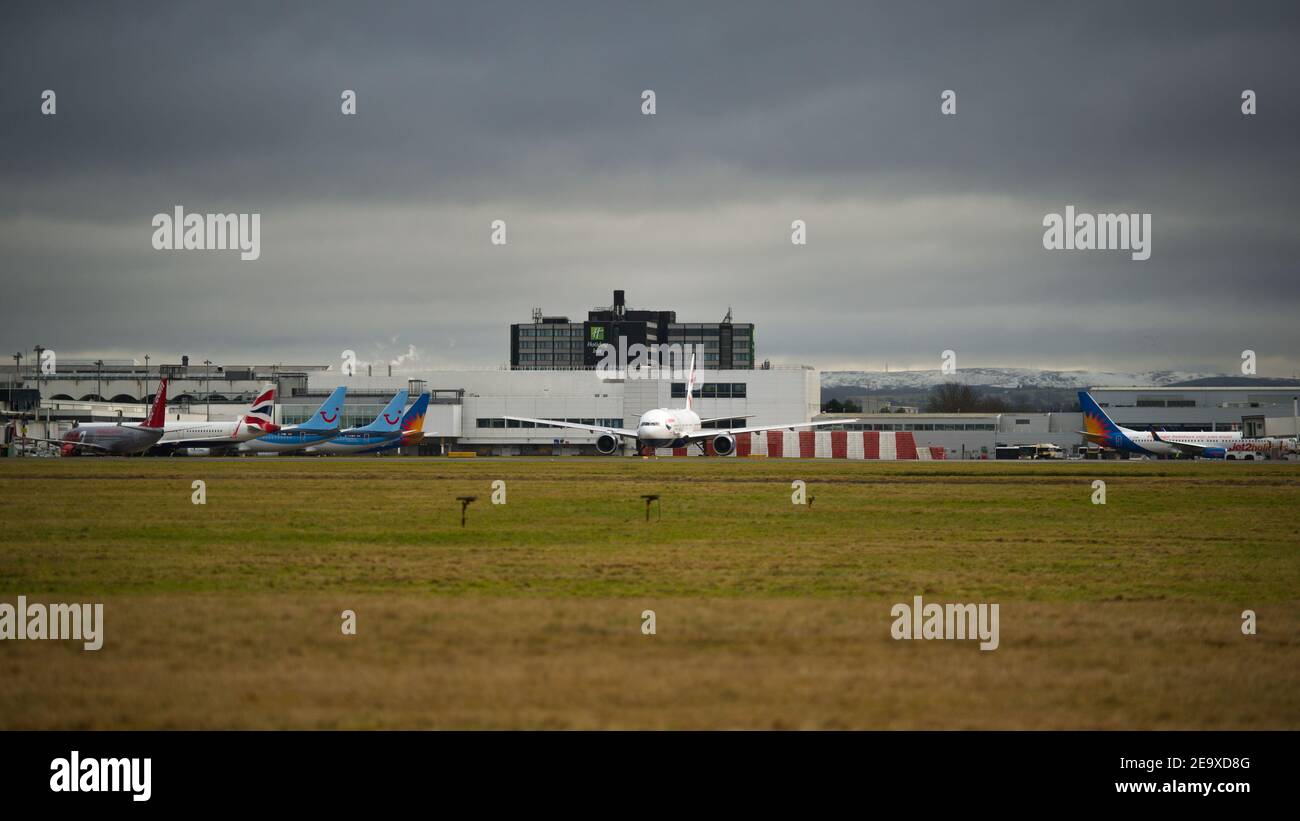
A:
468, 408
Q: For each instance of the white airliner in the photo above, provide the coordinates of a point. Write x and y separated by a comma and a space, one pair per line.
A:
1099, 429
257, 422
673, 428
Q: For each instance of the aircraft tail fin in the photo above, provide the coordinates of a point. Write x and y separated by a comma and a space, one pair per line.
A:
389, 419
261, 414
1095, 421
326, 417
158, 413
690, 383
413, 421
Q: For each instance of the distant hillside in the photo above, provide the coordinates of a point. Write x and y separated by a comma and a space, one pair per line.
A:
1022, 388
1237, 382
1008, 378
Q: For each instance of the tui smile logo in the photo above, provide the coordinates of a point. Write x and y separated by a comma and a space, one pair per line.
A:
329, 419
390, 421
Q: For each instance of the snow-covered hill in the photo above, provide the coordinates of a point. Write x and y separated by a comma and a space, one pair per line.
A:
1004, 378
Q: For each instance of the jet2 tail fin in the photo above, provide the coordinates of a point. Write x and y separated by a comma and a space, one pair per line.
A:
1095, 421
413, 421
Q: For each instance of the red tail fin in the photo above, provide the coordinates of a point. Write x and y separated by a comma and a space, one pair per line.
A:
159, 411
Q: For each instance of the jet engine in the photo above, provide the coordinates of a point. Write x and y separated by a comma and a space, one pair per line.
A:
606, 444
724, 444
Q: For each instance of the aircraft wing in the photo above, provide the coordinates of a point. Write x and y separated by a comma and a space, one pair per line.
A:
1181, 447
62, 442
551, 423
720, 418
708, 434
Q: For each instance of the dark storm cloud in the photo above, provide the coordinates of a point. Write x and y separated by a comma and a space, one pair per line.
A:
925, 231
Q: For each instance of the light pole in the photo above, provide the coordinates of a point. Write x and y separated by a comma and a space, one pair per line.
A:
99, 377
13, 383
146, 379
37, 367
207, 389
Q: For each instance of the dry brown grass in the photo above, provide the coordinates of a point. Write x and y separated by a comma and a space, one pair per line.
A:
208, 661
224, 616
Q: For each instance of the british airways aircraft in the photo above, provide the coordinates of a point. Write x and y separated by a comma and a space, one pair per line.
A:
673, 428
218, 436
321, 427
386, 427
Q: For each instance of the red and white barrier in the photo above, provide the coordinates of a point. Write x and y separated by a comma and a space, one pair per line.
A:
823, 444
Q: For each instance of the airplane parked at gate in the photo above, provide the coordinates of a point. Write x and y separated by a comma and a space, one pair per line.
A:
115, 438
386, 427
674, 428
218, 436
411, 434
321, 427
412, 427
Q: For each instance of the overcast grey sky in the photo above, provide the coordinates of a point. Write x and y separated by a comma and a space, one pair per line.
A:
924, 231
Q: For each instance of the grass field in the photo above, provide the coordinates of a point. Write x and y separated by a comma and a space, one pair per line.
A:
1123, 615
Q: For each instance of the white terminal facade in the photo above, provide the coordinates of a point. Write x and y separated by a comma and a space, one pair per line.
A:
771, 396
477, 421
468, 407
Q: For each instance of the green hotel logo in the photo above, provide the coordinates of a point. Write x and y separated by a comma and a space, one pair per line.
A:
597, 333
